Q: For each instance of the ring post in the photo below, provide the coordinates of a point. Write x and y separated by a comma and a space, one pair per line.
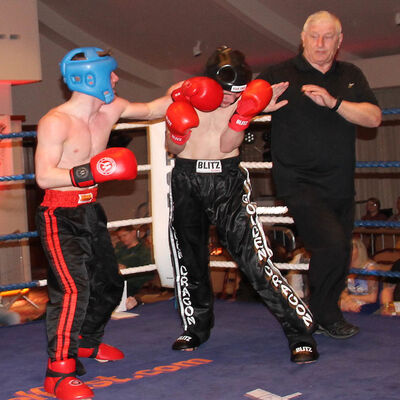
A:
159, 178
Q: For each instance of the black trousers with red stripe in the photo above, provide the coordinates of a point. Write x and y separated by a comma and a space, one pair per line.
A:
83, 281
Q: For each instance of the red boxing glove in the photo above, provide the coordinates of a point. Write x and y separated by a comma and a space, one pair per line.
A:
201, 92
115, 163
180, 118
254, 99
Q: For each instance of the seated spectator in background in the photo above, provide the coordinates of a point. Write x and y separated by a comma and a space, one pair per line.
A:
131, 252
373, 211
396, 215
361, 293
390, 291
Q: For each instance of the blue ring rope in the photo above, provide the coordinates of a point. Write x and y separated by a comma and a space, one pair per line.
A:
16, 236
377, 224
18, 135
17, 177
16, 286
388, 111
389, 274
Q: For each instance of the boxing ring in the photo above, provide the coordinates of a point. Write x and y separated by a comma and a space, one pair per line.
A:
253, 369
159, 169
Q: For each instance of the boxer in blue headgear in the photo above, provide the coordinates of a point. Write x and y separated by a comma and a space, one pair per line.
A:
88, 70
71, 158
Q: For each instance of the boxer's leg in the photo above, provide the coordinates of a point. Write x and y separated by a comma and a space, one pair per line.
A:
242, 234
190, 258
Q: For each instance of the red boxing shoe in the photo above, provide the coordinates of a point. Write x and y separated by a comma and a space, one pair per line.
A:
61, 381
101, 353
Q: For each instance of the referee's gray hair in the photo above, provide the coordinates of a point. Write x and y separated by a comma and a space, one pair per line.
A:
319, 15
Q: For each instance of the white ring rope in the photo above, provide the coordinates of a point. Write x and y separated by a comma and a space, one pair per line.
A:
138, 270
145, 167
272, 210
256, 165
277, 220
282, 266
126, 222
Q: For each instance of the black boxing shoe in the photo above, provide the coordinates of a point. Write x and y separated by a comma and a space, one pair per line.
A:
186, 342
338, 330
303, 353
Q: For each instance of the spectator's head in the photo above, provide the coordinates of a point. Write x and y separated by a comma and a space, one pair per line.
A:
127, 235
373, 206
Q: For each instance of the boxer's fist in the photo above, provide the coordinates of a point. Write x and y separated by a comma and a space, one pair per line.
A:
115, 163
180, 118
254, 99
202, 92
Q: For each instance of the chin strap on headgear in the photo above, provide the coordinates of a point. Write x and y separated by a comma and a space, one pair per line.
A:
229, 68
86, 70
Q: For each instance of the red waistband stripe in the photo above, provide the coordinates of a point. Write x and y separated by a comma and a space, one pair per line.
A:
70, 198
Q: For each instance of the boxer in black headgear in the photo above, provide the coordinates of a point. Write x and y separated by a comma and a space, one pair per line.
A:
209, 187
229, 68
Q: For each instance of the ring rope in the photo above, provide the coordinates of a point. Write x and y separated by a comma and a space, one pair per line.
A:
121, 126
126, 222
110, 225
387, 111
137, 270
377, 224
43, 282
248, 165
273, 220
17, 177
217, 264
304, 267
276, 220
272, 210
14, 135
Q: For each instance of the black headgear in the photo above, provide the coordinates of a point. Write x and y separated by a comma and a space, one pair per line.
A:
229, 68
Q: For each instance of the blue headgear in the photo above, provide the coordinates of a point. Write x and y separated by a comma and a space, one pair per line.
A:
90, 73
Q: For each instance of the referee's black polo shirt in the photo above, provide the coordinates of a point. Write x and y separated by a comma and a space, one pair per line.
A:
312, 144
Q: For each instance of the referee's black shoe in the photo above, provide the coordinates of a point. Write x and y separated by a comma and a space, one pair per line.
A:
186, 342
303, 353
338, 330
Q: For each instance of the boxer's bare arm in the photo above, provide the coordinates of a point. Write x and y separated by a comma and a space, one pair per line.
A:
53, 130
172, 147
145, 111
231, 140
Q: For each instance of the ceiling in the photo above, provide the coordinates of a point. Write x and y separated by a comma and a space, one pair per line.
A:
180, 34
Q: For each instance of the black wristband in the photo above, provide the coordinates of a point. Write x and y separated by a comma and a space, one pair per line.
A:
81, 176
337, 105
